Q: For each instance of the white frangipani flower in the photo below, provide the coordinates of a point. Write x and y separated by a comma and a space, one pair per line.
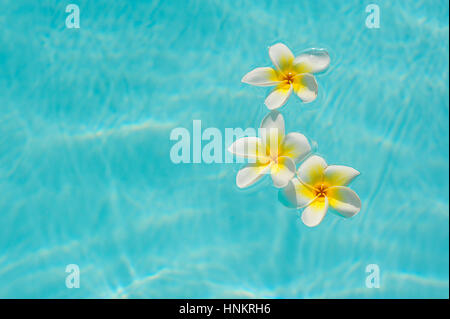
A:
318, 186
290, 74
273, 152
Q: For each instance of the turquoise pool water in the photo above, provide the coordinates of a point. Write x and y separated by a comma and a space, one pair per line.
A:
86, 177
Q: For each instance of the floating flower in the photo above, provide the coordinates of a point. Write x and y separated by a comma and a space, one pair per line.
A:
272, 152
318, 186
290, 74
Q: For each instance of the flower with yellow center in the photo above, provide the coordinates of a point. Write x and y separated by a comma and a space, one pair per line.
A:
272, 153
290, 74
318, 186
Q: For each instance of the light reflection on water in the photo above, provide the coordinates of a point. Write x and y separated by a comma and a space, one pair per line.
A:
86, 178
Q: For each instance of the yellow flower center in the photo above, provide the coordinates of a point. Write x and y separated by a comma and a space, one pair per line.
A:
320, 190
288, 77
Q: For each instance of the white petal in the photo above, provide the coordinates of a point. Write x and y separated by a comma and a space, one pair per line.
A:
272, 132
311, 172
305, 86
298, 194
312, 61
250, 174
248, 147
282, 172
338, 175
261, 77
278, 97
273, 120
281, 56
295, 146
344, 200
315, 212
